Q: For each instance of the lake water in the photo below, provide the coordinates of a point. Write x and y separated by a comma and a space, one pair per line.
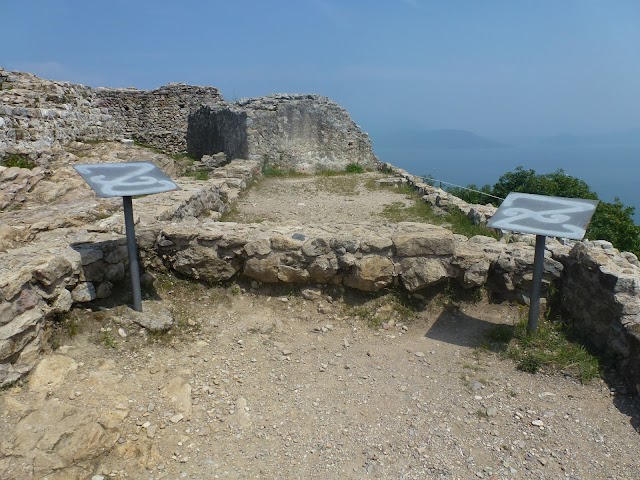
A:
610, 170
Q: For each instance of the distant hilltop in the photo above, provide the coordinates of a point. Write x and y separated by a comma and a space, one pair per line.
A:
443, 138
626, 137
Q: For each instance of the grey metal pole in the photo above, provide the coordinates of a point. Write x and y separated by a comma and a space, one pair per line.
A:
133, 253
538, 268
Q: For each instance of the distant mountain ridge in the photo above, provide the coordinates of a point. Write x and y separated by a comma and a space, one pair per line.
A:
444, 138
625, 137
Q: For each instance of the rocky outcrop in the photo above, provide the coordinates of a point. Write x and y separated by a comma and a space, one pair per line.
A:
301, 132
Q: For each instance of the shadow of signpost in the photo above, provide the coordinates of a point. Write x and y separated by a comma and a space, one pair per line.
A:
456, 327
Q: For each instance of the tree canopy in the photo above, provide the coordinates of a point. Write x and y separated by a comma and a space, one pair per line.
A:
611, 221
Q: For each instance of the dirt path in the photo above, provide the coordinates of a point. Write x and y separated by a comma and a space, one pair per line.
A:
277, 382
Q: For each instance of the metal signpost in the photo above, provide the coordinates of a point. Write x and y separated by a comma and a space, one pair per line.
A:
544, 217
126, 180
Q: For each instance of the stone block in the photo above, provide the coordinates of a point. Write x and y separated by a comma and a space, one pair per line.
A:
432, 242
316, 246
421, 272
84, 292
263, 270
371, 273
261, 246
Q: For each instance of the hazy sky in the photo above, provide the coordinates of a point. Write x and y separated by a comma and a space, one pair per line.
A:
499, 68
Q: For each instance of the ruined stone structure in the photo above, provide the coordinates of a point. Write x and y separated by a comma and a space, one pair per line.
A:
37, 114
304, 132
67, 253
301, 132
156, 117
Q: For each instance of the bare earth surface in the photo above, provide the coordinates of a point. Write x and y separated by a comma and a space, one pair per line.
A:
261, 382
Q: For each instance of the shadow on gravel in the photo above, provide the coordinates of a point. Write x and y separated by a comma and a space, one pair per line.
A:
456, 327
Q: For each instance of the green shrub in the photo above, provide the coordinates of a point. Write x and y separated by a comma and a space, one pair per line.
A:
354, 168
611, 221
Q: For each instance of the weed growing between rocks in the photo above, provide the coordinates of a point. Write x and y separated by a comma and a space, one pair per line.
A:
197, 175
551, 349
62, 326
17, 160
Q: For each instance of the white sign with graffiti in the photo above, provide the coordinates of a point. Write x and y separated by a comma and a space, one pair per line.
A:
543, 215
125, 179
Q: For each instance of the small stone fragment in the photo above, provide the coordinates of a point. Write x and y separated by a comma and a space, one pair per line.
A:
176, 418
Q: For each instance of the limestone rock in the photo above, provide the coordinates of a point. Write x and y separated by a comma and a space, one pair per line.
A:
436, 241
204, 264
323, 268
371, 273
178, 391
84, 292
154, 316
263, 270
51, 371
421, 272
258, 247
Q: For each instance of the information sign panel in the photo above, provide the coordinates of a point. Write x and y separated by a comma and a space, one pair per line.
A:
544, 215
125, 179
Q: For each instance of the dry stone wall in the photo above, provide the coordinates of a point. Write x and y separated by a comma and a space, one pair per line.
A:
601, 292
38, 114
37, 282
60, 267
157, 117
301, 132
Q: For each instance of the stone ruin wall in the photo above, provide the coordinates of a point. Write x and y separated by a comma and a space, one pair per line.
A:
156, 117
37, 115
302, 132
218, 129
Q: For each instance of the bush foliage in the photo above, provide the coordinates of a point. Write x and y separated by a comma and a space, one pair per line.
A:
612, 221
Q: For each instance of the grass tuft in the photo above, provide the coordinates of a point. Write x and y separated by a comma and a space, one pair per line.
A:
354, 168
551, 349
420, 211
382, 308
17, 160
197, 175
